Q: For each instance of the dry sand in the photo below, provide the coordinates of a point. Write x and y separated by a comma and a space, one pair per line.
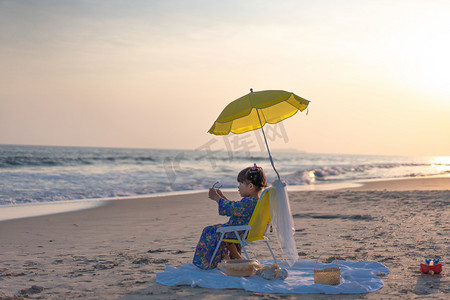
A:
115, 251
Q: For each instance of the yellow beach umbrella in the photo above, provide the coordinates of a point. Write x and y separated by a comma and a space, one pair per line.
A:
255, 109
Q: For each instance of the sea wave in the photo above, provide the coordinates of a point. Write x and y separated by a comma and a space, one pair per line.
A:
365, 171
41, 174
27, 161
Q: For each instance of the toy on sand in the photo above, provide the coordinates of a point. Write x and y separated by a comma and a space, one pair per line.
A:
432, 267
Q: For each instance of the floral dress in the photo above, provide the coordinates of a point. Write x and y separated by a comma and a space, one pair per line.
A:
240, 213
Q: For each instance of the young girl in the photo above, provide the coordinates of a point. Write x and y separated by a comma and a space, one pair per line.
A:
251, 181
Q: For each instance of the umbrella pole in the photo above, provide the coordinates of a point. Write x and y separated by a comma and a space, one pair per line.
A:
267, 145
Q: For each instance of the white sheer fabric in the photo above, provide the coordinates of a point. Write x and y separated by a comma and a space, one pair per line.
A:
280, 212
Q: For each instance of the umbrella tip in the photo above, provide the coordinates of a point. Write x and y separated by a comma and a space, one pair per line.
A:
251, 90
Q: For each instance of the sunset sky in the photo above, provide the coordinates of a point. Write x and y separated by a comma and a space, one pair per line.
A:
156, 74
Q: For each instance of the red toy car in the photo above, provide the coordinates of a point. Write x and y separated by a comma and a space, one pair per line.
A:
432, 267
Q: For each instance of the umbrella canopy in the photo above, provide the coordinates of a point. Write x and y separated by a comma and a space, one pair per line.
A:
255, 109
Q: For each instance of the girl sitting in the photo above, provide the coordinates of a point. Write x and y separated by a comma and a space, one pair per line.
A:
251, 182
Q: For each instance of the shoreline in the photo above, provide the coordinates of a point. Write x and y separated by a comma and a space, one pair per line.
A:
36, 209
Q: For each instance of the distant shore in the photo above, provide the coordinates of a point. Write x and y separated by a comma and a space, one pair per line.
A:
115, 250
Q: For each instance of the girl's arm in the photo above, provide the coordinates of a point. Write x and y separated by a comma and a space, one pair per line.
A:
216, 194
243, 208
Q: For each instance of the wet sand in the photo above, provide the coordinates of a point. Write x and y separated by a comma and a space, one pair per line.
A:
114, 251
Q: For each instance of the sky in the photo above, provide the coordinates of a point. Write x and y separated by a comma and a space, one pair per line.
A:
156, 74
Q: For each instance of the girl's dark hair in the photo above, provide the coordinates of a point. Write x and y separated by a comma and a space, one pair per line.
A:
254, 174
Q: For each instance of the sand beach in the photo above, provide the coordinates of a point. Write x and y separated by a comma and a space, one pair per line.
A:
114, 251
116, 119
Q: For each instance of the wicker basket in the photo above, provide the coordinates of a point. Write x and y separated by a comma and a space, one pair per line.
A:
239, 267
330, 276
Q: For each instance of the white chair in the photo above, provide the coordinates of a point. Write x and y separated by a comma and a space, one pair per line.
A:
256, 228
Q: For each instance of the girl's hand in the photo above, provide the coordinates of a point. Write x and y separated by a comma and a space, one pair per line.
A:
219, 192
213, 194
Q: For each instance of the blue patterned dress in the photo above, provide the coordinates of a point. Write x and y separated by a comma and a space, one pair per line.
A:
240, 213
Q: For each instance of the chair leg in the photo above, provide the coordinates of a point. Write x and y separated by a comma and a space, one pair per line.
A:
217, 248
270, 249
242, 245
245, 251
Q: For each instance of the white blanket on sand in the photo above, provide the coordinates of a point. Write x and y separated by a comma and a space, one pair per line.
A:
356, 277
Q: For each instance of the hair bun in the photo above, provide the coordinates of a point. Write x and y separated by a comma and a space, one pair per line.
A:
256, 176
253, 174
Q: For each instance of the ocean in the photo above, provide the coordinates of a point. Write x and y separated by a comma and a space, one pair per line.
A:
37, 174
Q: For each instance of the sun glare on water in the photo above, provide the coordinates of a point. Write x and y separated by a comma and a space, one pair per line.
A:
441, 163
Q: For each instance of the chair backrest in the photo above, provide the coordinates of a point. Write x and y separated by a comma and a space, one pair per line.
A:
260, 217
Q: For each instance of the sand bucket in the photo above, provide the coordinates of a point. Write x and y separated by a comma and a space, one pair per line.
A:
240, 267
330, 276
